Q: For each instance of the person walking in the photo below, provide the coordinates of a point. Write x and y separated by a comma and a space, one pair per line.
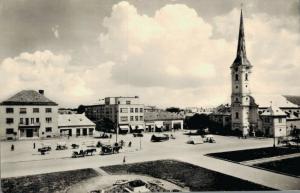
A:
12, 148
124, 160
129, 144
33, 145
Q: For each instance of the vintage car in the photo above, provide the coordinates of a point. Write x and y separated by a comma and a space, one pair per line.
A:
209, 139
195, 140
84, 152
110, 149
159, 137
61, 146
45, 147
138, 135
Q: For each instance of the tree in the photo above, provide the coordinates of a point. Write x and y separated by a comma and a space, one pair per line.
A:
81, 109
105, 125
173, 109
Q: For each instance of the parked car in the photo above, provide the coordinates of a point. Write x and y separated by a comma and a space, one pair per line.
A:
138, 135
209, 139
61, 146
195, 140
110, 149
159, 137
45, 147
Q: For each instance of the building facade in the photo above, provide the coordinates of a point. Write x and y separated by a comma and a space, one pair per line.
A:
244, 117
75, 125
126, 112
28, 114
161, 120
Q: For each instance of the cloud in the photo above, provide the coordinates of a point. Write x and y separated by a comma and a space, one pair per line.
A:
55, 31
43, 70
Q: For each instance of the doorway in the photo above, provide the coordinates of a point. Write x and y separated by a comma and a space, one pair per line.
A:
29, 132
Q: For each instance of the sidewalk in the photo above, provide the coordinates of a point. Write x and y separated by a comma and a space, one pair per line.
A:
263, 177
269, 159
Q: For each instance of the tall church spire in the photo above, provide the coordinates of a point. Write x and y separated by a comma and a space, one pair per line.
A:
241, 56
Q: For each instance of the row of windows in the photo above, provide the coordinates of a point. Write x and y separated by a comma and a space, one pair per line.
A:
84, 131
132, 110
28, 121
24, 110
132, 118
11, 130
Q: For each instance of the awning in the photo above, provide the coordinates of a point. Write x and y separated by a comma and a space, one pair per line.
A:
124, 127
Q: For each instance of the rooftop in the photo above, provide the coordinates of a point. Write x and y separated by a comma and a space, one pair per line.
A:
67, 120
28, 97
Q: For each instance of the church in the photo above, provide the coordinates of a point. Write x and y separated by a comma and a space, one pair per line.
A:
252, 115
244, 110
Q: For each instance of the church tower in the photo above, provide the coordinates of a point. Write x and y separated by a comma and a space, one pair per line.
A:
243, 107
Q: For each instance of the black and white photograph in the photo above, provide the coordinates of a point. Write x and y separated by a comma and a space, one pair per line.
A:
136, 96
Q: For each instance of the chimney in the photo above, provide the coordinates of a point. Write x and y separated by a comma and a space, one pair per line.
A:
41, 92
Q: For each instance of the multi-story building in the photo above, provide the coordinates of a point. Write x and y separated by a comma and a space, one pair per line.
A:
244, 116
126, 112
28, 114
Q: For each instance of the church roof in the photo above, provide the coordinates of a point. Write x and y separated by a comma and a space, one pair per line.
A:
241, 56
293, 99
273, 111
265, 100
28, 97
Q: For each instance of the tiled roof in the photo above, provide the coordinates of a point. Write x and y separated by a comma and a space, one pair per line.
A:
273, 111
28, 97
293, 99
68, 120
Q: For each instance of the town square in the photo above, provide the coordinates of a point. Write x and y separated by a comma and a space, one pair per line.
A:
161, 96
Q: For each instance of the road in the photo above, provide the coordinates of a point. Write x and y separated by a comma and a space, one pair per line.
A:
25, 160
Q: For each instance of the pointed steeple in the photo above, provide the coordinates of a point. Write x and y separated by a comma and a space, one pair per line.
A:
241, 56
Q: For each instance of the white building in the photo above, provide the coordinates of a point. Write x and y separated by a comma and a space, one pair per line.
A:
244, 116
28, 114
127, 113
75, 125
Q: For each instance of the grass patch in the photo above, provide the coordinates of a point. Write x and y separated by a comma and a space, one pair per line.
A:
288, 166
252, 154
185, 174
46, 183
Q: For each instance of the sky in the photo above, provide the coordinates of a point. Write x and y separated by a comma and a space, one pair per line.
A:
167, 52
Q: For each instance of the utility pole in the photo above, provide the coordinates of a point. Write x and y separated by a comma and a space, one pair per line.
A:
117, 132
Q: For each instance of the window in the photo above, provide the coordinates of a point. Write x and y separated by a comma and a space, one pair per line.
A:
48, 119
77, 132
48, 129
124, 118
136, 110
10, 131
236, 77
9, 120
136, 118
246, 76
236, 100
22, 110
91, 131
37, 120
237, 115
32, 120
21, 120
124, 110
236, 86
141, 118
9, 110
131, 110
48, 110
131, 118
127, 102
141, 110
36, 110
280, 120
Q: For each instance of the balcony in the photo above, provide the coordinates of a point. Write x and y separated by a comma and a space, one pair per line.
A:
29, 125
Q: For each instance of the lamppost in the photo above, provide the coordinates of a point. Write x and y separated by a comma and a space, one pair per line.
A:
117, 132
